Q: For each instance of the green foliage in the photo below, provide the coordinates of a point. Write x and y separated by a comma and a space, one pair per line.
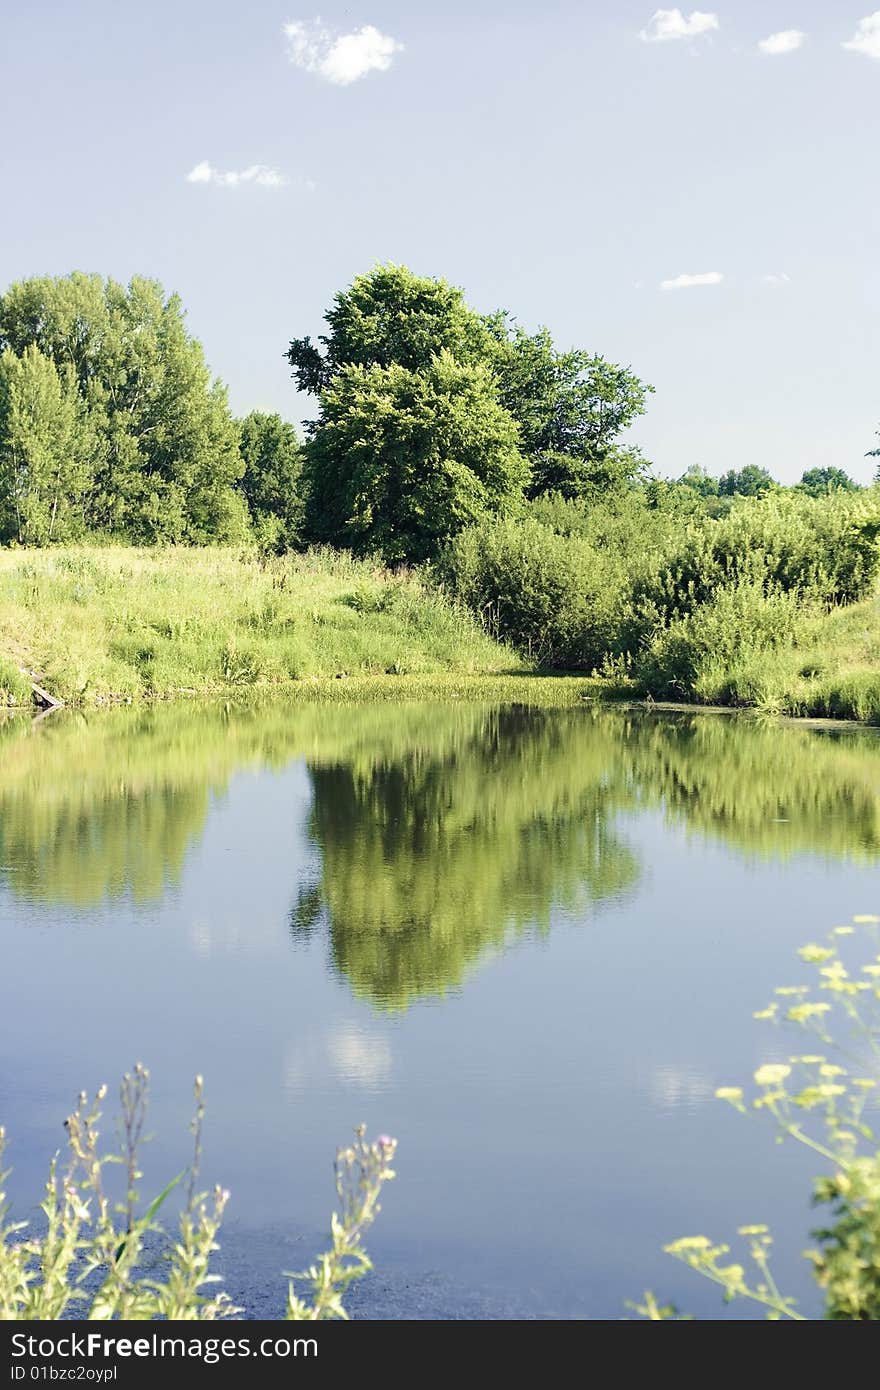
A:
818, 482
45, 463
160, 449
270, 483
361, 1170
420, 395
401, 460
116, 623
15, 687
822, 1105
571, 408
744, 610
699, 655
750, 481
698, 480
825, 550
724, 610
556, 598
88, 1260
390, 317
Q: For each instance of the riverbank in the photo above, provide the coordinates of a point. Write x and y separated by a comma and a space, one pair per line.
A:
102, 626
106, 625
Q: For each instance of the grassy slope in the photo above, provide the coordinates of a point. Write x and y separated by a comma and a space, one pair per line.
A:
95, 624
116, 623
833, 672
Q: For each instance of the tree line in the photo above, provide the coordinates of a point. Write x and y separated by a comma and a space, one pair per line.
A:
111, 423
431, 418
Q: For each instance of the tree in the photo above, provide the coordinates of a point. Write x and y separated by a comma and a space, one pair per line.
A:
402, 459
572, 408
698, 480
818, 482
44, 466
271, 480
390, 317
750, 481
164, 447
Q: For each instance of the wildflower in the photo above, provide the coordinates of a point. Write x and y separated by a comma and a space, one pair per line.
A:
772, 1074
686, 1243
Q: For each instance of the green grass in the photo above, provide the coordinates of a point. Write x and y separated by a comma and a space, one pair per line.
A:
95, 625
98, 625
832, 670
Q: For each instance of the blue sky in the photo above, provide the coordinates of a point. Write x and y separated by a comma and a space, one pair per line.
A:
562, 160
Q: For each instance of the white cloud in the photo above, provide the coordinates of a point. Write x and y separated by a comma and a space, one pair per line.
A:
672, 24
359, 1058
786, 41
688, 282
776, 280
260, 174
340, 58
866, 39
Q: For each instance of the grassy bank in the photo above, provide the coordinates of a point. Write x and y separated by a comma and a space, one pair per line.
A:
93, 625
773, 606
829, 669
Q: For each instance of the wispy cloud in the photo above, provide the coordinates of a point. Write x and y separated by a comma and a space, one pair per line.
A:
776, 279
786, 41
673, 24
689, 282
340, 58
260, 174
866, 39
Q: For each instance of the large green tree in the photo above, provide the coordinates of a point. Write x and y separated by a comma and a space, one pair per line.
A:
390, 317
571, 407
271, 482
403, 459
818, 482
562, 412
163, 446
45, 468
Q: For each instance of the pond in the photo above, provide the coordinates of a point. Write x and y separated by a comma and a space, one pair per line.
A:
527, 942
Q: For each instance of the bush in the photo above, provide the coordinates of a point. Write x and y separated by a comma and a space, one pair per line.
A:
698, 656
558, 599
824, 549
578, 587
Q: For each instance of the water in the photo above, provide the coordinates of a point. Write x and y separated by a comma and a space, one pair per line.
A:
527, 943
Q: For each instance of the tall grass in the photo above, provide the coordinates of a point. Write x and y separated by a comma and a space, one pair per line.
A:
117, 623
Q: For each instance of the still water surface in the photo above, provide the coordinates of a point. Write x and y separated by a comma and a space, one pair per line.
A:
526, 942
